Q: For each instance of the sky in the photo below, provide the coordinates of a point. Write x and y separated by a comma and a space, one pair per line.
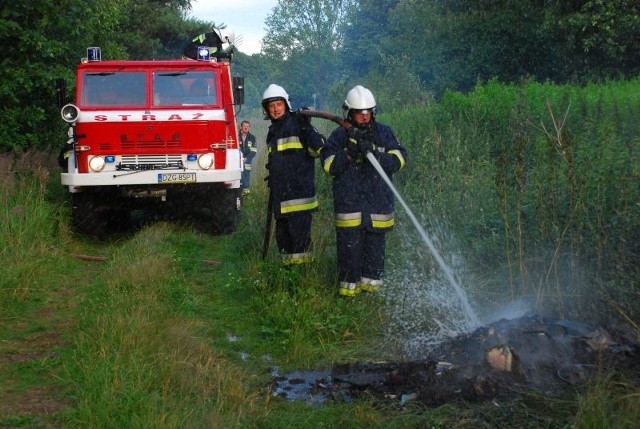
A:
244, 17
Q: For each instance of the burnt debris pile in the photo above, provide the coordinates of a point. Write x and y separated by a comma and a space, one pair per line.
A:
497, 361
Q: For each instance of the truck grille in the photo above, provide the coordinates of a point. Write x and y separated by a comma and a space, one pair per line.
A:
150, 162
150, 144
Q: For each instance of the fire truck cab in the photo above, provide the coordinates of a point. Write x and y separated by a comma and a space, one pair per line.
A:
158, 136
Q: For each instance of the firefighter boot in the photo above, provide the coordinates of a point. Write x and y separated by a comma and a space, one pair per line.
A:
370, 285
349, 289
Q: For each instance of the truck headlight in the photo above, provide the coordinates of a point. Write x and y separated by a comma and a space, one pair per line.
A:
96, 163
70, 113
205, 161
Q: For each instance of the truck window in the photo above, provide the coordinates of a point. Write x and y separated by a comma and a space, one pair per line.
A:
184, 88
113, 89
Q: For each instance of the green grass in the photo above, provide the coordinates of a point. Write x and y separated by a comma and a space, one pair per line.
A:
142, 339
609, 404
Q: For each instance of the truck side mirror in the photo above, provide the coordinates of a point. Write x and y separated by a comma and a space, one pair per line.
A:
238, 90
61, 92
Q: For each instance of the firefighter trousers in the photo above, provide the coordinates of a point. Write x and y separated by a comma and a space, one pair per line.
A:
293, 236
360, 254
245, 178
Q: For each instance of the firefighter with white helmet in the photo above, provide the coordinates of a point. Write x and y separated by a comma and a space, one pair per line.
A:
273, 93
363, 203
293, 144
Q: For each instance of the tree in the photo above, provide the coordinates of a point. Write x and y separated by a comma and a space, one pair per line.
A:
157, 29
306, 38
304, 25
40, 42
259, 71
601, 37
368, 35
451, 44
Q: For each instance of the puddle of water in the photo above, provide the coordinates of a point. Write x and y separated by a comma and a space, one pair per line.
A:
313, 387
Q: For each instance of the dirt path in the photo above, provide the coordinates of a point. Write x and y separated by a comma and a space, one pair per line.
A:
34, 346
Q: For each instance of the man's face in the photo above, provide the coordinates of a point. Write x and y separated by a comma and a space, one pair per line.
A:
245, 128
277, 109
360, 117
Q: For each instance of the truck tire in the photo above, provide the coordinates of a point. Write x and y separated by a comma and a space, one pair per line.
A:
98, 214
87, 215
222, 209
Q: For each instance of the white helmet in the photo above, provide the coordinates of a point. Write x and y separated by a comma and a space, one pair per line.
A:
227, 37
272, 93
360, 98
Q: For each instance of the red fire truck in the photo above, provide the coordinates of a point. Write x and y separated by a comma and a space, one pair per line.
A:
153, 136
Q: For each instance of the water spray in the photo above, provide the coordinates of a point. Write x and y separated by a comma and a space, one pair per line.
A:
475, 322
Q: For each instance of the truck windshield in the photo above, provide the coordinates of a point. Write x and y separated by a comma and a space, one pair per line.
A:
113, 88
172, 88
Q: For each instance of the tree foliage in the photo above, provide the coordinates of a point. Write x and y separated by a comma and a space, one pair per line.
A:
367, 35
42, 41
602, 37
39, 40
310, 35
305, 25
403, 49
452, 44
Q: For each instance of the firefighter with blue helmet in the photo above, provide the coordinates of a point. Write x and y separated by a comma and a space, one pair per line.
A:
363, 202
293, 145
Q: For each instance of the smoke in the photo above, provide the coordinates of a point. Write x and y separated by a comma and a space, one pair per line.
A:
512, 310
424, 310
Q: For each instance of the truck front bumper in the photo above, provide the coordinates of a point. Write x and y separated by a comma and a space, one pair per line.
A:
152, 177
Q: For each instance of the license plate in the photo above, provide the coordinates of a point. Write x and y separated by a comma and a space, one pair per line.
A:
177, 178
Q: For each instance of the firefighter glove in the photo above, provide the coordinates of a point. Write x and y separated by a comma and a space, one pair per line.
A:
366, 146
352, 148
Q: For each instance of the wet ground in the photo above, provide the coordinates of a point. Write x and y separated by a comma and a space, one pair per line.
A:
497, 361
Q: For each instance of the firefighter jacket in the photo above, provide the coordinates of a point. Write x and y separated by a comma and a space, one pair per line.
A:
248, 147
293, 145
361, 197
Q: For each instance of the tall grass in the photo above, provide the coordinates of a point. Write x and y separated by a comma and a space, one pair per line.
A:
28, 228
608, 404
538, 183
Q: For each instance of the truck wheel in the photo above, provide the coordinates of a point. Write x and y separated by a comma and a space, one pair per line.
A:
98, 214
87, 215
223, 207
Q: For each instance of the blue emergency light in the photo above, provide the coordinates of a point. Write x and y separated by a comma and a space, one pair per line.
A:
93, 54
204, 53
